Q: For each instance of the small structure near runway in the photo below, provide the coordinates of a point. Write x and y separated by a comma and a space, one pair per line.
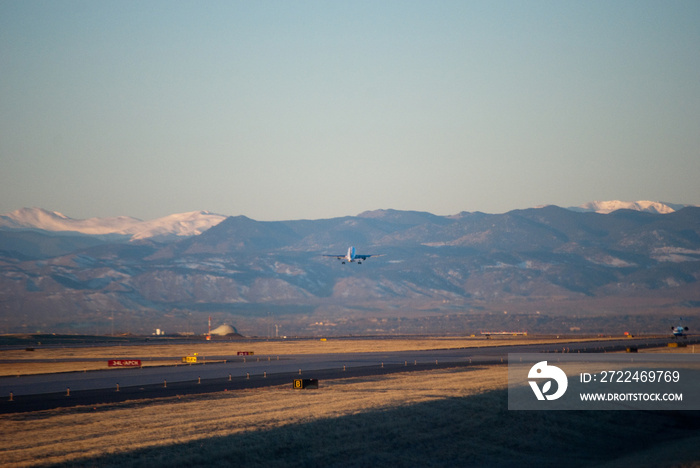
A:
301, 384
124, 363
190, 359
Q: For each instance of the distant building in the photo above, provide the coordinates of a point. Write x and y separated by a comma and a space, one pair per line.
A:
224, 330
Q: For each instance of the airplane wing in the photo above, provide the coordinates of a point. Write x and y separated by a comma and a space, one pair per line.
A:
334, 256
365, 257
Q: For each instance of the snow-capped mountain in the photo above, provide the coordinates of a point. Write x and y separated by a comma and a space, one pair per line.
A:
605, 207
182, 224
195, 222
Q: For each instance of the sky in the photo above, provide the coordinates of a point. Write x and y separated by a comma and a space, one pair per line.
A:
283, 110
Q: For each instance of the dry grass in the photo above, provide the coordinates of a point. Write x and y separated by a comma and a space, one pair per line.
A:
83, 358
452, 417
666, 349
42, 437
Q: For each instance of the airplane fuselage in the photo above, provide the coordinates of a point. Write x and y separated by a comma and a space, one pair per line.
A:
350, 256
679, 331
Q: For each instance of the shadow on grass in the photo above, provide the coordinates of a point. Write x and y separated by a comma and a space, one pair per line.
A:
471, 431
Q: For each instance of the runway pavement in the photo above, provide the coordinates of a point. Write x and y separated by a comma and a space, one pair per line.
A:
36, 392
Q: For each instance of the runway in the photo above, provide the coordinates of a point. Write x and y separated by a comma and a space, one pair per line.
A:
45, 391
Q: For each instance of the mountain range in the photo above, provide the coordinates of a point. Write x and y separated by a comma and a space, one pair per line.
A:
196, 222
605, 207
125, 227
547, 269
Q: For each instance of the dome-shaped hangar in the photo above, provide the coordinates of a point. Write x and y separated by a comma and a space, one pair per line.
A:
224, 330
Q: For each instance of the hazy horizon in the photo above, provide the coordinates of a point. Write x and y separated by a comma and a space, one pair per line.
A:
613, 205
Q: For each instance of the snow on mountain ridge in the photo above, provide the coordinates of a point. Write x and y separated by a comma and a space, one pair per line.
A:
38, 218
605, 207
195, 222
181, 224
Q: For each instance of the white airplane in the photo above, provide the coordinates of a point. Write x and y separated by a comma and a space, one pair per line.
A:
679, 330
351, 256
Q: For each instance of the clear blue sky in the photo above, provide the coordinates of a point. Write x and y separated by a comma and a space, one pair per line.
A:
292, 109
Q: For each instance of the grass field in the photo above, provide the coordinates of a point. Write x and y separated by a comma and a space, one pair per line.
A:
453, 417
450, 417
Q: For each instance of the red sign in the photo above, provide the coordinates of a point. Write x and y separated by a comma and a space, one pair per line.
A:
245, 353
124, 363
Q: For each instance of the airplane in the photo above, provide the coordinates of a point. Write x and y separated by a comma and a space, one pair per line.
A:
679, 330
351, 256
